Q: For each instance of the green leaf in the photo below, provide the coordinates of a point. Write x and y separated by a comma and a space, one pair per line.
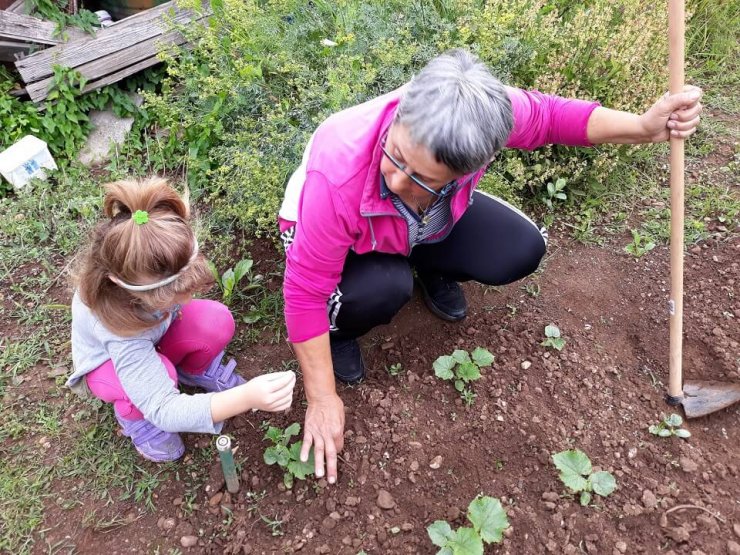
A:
459, 385
242, 269
270, 456
300, 469
440, 533
654, 429
288, 480
283, 455
665, 432
443, 367
585, 498
295, 454
461, 356
573, 465
466, 541
482, 357
468, 372
214, 271
227, 280
274, 434
673, 420
292, 430
551, 330
603, 483
488, 518
682, 433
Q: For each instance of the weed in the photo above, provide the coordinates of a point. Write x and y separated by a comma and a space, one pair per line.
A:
575, 473
229, 280
463, 367
553, 338
554, 193
287, 456
489, 521
640, 245
670, 426
532, 289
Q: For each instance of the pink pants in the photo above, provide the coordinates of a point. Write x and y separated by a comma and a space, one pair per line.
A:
193, 340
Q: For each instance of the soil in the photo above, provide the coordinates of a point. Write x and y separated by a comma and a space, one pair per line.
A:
599, 394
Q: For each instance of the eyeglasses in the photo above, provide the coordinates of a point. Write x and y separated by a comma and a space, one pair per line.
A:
443, 192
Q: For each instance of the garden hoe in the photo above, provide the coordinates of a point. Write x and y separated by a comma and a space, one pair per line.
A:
697, 398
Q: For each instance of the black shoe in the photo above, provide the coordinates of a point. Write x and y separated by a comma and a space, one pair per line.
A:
443, 296
347, 360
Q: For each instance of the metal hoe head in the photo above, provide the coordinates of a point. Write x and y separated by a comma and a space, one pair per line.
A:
702, 398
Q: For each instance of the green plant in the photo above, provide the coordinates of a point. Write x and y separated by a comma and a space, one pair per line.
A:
489, 521
554, 192
394, 369
55, 10
639, 245
462, 368
553, 338
287, 456
229, 280
670, 426
575, 473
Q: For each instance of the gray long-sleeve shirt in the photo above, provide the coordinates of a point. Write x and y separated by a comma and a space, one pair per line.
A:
141, 372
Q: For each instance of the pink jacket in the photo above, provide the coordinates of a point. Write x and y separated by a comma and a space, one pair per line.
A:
337, 205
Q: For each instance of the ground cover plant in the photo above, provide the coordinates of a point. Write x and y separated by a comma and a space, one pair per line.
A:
553, 338
230, 119
287, 456
670, 426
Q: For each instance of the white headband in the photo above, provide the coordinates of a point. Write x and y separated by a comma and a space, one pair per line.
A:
162, 283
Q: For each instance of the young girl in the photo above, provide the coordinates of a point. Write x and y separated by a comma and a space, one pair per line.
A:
137, 333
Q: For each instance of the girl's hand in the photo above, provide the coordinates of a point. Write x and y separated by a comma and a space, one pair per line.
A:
673, 115
270, 392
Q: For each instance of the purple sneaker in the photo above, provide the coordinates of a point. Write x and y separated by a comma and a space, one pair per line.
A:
217, 377
152, 443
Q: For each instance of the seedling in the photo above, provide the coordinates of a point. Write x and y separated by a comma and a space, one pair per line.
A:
554, 193
552, 338
395, 369
639, 245
288, 456
229, 280
489, 520
670, 426
463, 367
575, 473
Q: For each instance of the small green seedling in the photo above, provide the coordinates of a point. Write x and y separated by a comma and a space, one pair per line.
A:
552, 338
395, 369
463, 368
575, 473
554, 193
288, 456
639, 245
230, 279
670, 426
489, 521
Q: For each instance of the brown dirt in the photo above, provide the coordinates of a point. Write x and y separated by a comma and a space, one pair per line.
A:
599, 394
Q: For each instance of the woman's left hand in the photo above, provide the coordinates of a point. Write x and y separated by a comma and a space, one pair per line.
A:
673, 115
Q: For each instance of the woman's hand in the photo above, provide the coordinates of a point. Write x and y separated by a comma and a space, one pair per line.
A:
324, 430
673, 115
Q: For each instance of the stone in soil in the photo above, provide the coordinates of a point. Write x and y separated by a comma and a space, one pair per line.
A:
385, 500
733, 548
188, 541
649, 499
687, 465
436, 462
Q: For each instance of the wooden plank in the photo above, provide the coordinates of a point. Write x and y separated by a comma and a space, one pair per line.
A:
130, 31
25, 28
19, 6
98, 71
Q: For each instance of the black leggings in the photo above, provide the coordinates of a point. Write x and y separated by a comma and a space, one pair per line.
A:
493, 243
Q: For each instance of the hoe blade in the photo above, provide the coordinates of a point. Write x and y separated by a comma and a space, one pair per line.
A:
702, 398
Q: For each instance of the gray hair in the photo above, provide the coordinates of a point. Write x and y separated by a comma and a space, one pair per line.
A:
458, 110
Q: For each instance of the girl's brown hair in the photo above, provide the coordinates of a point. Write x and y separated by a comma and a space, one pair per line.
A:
140, 254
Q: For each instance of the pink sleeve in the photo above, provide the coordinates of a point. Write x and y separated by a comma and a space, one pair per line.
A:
315, 259
541, 119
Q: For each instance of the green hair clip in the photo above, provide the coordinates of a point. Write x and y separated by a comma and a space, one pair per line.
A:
140, 217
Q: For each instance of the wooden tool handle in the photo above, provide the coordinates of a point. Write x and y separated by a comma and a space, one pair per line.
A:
676, 14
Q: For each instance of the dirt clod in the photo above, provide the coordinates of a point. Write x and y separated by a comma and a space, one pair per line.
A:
385, 500
687, 465
649, 499
188, 541
733, 548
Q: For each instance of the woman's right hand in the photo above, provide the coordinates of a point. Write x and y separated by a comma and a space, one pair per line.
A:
270, 392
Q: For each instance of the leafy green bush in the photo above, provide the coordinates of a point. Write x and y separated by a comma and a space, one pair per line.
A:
237, 110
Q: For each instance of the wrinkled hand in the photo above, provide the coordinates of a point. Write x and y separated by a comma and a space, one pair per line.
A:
673, 115
324, 429
271, 392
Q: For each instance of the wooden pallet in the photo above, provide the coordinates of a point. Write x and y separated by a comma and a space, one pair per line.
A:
113, 53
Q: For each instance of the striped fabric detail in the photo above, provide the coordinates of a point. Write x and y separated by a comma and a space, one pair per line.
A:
436, 219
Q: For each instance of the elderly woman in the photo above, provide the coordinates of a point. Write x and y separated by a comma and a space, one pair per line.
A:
386, 190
